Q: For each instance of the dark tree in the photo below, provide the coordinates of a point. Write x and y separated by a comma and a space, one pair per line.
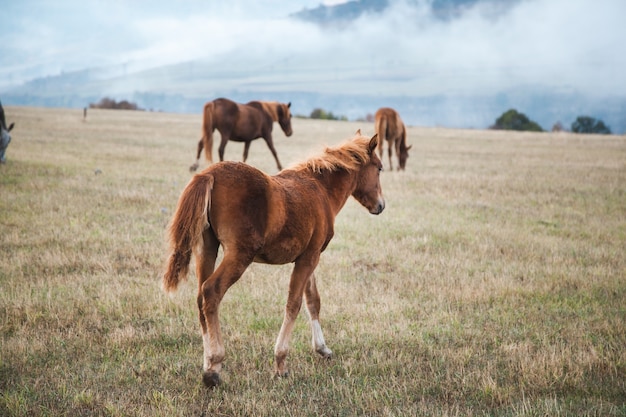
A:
586, 124
513, 120
109, 103
318, 113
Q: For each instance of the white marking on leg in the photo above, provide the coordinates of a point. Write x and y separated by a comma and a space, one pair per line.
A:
318, 336
282, 342
319, 344
282, 346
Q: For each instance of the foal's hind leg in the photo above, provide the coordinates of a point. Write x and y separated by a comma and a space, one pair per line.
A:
211, 293
205, 265
302, 270
312, 298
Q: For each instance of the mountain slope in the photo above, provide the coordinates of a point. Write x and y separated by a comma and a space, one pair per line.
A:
337, 15
456, 63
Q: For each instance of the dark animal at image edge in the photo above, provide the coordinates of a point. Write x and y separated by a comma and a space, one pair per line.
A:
391, 129
241, 123
286, 218
5, 137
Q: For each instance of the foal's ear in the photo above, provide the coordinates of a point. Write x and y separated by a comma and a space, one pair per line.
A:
11, 127
358, 132
289, 105
373, 143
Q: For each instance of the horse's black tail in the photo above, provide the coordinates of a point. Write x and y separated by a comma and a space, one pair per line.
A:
207, 131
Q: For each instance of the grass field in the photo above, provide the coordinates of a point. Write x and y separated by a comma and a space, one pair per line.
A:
494, 283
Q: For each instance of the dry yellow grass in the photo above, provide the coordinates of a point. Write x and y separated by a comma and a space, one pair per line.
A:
493, 283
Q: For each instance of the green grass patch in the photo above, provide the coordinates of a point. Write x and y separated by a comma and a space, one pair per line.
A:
492, 284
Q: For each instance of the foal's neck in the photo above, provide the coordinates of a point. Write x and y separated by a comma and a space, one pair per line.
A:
339, 185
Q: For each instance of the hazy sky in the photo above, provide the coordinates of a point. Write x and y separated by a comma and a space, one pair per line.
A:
573, 45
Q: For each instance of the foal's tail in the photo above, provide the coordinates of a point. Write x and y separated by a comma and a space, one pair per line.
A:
207, 131
185, 229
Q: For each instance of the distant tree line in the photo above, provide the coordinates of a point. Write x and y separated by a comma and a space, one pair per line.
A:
509, 120
109, 103
586, 124
323, 114
514, 120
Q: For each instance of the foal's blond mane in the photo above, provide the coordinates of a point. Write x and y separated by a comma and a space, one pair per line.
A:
349, 156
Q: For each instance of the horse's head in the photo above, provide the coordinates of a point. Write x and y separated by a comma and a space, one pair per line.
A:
403, 155
5, 139
284, 117
368, 191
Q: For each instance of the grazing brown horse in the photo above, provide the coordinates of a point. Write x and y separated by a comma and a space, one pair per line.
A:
389, 127
286, 218
241, 123
5, 137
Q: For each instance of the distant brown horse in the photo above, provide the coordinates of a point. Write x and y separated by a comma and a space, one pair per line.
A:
241, 123
286, 218
389, 127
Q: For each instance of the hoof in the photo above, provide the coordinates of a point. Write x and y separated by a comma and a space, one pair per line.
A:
193, 168
281, 374
325, 353
211, 379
